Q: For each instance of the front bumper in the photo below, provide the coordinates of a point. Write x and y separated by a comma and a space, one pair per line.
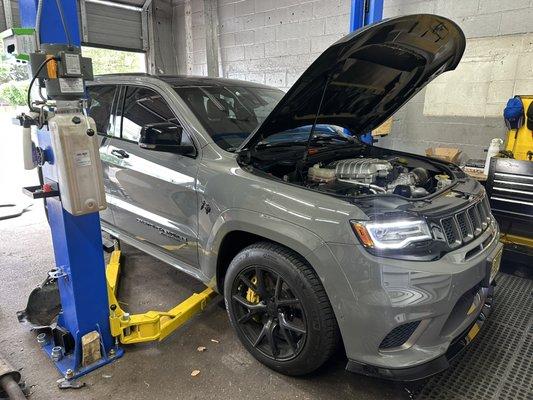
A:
439, 364
446, 296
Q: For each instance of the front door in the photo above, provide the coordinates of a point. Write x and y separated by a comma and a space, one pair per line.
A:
153, 193
103, 99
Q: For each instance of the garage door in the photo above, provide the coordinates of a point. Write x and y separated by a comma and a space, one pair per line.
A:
104, 24
113, 26
14, 14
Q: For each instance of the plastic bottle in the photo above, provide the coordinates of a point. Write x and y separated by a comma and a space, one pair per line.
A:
493, 151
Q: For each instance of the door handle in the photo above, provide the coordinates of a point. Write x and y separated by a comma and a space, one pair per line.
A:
119, 153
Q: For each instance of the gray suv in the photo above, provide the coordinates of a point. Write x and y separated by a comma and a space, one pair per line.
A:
314, 238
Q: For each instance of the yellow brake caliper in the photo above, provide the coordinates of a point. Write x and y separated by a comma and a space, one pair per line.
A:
253, 298
251, 295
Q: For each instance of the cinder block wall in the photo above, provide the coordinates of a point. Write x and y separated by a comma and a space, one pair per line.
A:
464, 108
266, 41
273, 42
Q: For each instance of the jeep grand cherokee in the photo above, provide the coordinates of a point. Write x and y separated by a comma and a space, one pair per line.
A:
313, 237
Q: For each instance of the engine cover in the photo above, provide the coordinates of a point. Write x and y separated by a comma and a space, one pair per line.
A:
362, 169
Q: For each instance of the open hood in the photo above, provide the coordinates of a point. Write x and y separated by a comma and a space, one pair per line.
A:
365, 77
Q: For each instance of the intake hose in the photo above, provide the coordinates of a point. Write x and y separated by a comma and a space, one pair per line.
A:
373, 188
9, 379
11, 388
421, 176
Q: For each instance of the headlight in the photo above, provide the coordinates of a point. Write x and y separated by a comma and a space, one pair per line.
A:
391, 235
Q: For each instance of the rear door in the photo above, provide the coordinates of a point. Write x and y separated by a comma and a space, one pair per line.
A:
153, 193
101, 109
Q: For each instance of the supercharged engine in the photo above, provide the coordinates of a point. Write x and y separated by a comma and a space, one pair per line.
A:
374, 176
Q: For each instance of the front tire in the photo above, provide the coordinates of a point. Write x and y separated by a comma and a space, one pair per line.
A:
279, 309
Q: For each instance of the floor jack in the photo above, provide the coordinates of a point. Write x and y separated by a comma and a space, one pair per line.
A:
75, 312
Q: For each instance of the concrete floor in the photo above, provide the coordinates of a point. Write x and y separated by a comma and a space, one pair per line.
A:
159, 370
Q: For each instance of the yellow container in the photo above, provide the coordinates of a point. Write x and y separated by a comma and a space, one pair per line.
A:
522, 141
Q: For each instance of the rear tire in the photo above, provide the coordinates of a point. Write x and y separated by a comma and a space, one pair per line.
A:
279, 309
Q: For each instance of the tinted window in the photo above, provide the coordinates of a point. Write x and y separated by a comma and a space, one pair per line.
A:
100, 108
231, 113
144, 106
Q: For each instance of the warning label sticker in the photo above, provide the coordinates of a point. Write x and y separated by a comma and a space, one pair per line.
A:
72, 62
82, 158
71, 85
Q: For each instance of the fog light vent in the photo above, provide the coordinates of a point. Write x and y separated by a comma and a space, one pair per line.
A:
399, 335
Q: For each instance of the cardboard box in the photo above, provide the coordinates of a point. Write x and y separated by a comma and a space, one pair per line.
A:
384, 129
476, 173
449, 154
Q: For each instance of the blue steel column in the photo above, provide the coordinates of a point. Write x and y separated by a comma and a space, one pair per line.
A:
362, 13
77, 241
365, 12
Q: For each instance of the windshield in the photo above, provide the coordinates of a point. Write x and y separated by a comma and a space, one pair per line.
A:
300, 135
230, 113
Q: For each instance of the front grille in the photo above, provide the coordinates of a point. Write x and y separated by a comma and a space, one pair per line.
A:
475, 219
448, 225
399, 335
467, 224
463, 224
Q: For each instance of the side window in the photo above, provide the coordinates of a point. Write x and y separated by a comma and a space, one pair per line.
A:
144, 106
100, 108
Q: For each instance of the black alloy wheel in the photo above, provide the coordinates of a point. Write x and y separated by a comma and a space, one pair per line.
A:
279, 309
274, 321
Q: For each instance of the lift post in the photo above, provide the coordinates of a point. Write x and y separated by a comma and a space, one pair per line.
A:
90, 324
365, 12
362, 13
77, 241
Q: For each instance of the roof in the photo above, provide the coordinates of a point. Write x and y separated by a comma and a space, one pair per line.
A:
185, 80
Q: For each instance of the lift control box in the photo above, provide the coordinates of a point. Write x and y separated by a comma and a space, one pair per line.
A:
77, 159
63, 69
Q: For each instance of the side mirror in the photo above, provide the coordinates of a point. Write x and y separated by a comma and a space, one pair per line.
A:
164, 136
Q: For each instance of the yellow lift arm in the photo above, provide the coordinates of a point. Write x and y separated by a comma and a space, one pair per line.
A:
152, 325
506, 238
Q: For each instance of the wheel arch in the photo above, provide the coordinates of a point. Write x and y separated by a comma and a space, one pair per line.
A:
236, 229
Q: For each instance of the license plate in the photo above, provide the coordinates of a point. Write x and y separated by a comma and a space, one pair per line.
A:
472, 333
495, 265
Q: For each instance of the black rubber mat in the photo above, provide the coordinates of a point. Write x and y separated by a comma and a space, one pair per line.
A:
499, 364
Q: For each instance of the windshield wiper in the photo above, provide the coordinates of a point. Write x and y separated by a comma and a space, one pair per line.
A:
280, 144
329, 138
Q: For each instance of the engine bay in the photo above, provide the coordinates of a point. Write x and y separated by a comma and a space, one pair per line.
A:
356, 176
383, 172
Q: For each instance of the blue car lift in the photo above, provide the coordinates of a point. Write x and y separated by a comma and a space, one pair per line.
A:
362, 13
77, 240
81, 291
